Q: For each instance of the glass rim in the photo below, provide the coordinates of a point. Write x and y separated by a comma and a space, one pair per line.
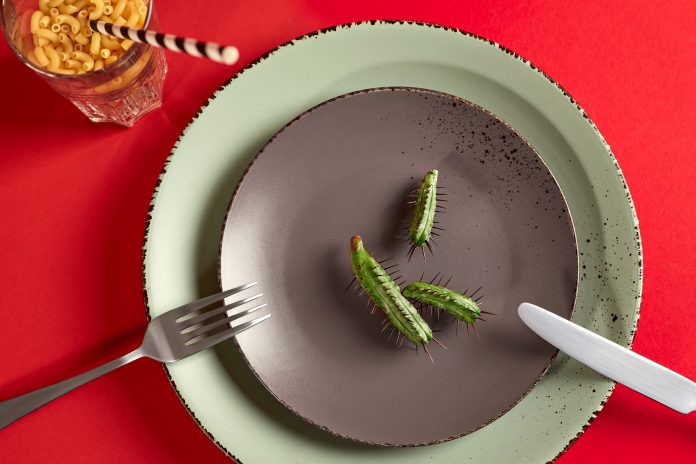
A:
46, 73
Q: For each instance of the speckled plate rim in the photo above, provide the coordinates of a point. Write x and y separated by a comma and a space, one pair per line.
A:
628, 277
467, 103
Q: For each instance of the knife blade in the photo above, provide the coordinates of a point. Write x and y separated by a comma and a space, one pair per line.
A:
612, 360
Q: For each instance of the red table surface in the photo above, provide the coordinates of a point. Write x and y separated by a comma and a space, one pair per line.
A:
74, 197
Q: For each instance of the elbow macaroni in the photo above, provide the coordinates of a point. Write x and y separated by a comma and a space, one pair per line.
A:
110, 43
98, 9
95, 44
41, 56
43, 6
81, 39
81, 4
34, 22
73, 64
133, 20
82, 18
53, 57
87, 60
65, 44
70, 21
46, 34
118, 10
45, 21
67, 9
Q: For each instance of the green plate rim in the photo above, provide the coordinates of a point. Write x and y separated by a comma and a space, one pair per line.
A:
291, 42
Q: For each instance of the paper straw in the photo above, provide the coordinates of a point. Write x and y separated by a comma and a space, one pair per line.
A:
226, 54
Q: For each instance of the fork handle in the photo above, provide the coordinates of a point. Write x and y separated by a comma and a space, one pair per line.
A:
20, 406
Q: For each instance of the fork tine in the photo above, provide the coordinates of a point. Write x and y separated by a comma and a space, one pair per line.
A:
208, 327
203, 302
217, 311
207, 342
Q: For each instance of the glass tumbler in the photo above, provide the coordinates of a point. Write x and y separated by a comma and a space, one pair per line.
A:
121, 92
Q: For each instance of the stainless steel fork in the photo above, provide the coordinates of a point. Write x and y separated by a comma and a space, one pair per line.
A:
174, 335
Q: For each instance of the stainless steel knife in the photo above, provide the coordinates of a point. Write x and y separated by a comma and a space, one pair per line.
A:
612, 360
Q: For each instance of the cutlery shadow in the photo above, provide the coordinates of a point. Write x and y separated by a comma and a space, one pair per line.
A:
228, 354
71, 364
254, 391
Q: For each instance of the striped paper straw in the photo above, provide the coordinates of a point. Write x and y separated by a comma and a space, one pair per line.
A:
226, 54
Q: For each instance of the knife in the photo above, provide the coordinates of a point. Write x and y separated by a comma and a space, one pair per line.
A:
612, 360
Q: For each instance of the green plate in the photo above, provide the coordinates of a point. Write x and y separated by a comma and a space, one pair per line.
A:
189, 205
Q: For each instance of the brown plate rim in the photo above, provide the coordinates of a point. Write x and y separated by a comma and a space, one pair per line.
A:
418, 90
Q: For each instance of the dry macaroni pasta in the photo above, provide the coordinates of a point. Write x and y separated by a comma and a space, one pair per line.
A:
53, 58
118, 9
67, 9
98, 9
81, 39
46, 34
94, 46
81, 4
35, 19
87, 60
41, 56
43, 6
70, 20
45, 21
65, 44
108, 42
132, 20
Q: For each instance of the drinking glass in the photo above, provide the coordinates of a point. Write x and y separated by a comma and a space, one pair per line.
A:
121, 92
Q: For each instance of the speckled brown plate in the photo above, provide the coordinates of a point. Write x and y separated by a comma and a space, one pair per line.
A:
344, 168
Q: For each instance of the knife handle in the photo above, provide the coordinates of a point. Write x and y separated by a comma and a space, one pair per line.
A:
612, 360
644, 376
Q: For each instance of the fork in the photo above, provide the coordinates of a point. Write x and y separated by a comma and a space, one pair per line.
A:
172, 336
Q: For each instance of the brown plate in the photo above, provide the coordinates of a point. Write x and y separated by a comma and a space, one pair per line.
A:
344, 168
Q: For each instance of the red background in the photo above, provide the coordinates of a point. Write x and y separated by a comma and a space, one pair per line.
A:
74, 197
